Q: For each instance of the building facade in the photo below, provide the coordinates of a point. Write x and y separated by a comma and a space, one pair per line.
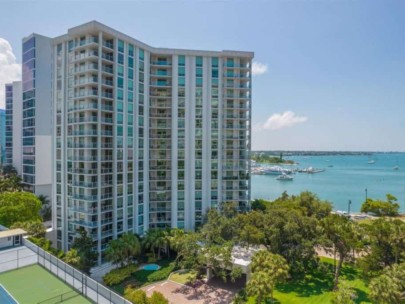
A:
2, 136
37, 115
144, 137
13, 134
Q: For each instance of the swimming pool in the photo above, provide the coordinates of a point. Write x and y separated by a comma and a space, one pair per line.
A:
151, 267
5, 297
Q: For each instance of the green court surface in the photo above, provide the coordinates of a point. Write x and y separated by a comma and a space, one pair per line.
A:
34, 284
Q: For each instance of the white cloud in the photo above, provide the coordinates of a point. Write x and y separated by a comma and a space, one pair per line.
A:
283, 120
258, 68
10, 70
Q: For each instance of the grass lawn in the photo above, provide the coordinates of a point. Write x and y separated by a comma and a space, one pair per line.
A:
33, 284
183, 277
143, 277
316, 287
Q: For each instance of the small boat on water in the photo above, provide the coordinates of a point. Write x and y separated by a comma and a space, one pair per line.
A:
370, 162
396, 168
311, 170
285, 177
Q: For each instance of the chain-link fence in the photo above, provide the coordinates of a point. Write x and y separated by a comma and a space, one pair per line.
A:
83, 284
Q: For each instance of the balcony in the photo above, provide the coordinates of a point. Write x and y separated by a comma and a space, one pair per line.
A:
86, 93
107, 69
85, 223
85, 42
92, 67
86, 55
161, 63
108, 44
108, 57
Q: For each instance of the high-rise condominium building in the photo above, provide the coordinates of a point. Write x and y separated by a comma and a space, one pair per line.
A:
13, 125
145, 137
37, 115
2, 136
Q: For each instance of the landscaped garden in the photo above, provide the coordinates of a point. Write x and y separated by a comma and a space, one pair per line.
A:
316, 287
143, 277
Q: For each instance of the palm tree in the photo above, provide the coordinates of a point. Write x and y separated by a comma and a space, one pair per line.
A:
154, 239
122, 251
259, 285
274, 266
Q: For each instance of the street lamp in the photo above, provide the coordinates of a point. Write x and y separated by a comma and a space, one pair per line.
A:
366, 194
350, 202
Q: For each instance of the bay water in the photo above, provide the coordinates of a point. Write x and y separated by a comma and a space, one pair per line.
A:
346, 177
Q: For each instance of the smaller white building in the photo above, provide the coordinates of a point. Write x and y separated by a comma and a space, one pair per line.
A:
11, 238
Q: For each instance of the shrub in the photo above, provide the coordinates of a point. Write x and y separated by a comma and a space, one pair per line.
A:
136, 296
119, 275
157, 298
161, 274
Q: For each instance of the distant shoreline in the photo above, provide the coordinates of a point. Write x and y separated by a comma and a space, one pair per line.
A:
321, 153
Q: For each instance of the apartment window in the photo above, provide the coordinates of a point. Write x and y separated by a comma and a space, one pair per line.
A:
121, 46
199, 61
182, 60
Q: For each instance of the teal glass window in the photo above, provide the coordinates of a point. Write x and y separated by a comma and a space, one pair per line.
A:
182, 71
120, 118
182, 60
199, 72
214, 73
130, 62
130, 131
120, 58
199, 82
182, 81
214, 62
119, 131
130, 73
130, 107
141, 54
130, 85
120, 94
130, 50
199, 61
130, 96
120, 82
120, 106
121, 46
120, 70
130, 120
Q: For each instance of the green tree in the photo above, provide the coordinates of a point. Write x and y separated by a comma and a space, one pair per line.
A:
11, 183
385, 241
267, 270
259, 286
153, 240
123, 250
293, 235
259, 204
72, 257
390, 207
33, 228
157, 298
345, 294
389, 288
84, 246
136, 296
343, 234
18, 207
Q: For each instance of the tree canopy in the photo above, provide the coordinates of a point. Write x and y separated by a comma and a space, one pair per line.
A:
18, 207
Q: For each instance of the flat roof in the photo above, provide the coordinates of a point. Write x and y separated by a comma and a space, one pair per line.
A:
12, 232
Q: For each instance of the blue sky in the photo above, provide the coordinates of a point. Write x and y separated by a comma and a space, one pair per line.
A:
335, 76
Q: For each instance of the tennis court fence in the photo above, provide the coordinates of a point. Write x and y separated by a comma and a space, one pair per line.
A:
32, 254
